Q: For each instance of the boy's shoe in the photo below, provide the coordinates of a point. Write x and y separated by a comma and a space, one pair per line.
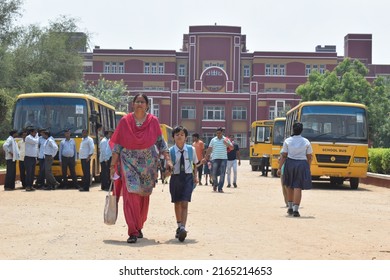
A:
200, 184
235, 185
296, 214
182, 234
228, 186
140, 234
177, 233
290, 211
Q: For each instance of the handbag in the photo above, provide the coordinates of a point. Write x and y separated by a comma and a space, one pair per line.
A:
110, 208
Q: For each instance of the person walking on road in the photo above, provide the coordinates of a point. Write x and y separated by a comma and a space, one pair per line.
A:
218, 151
234, 158
296, 157
199, 148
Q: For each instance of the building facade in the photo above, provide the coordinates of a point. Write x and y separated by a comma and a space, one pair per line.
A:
214, 81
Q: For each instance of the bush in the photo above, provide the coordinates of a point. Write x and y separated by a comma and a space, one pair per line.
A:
386, 161
2, 155
375, 160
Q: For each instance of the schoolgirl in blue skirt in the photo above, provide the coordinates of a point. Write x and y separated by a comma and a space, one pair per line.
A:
296, 155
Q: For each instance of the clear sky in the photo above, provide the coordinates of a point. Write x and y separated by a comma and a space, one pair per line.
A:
270, 25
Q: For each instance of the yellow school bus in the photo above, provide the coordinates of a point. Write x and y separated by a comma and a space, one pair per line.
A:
260, 142
118, 116
167, 134
338, 132
59, 111
277, 143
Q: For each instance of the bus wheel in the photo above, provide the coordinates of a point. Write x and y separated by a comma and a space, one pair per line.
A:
354, 183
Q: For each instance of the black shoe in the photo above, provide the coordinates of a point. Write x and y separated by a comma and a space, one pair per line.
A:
215, 188
296, 214
220, 191
8, 189
177, 233
228, 186
132, 239
30, 189
83, 190
235, 185
140, 234
48, 188
182, 234
290, 211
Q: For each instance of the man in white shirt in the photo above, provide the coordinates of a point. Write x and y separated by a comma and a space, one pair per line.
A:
86, 151
67, 157
22, 152
11, 156
30, 157
105, 160
50, 150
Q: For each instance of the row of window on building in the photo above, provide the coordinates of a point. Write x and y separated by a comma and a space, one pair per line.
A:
158, 68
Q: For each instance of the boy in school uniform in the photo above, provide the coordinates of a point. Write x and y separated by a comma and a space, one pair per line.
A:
183, 178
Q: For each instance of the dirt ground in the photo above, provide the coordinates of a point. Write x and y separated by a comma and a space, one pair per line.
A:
244, 223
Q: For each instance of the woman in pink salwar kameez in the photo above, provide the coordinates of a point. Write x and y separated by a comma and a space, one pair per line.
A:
136, 147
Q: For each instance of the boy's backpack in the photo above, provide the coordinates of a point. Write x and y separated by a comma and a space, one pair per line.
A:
190, 154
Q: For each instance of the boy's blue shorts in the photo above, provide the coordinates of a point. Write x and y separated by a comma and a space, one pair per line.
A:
181, 187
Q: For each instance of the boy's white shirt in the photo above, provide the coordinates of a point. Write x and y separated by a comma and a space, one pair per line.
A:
187, 164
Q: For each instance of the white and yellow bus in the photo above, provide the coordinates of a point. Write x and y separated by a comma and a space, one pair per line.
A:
118, 116
277, 143
260, 142
167, 134
338, 132
59, 111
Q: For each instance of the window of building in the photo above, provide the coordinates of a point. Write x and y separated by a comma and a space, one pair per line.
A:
268, 69
275, 69
113, 67
121, 67
107, 67
188, 112
282, 69
315, 67
161, 68
182, 70
154, 68
214, 113
147, 67
247, 71
308, 69
239, 113
271, 114
156, 110
322, 68
241, 140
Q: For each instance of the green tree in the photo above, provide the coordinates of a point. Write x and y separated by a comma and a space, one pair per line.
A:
347, 83
9, 10
48, 59
108, 91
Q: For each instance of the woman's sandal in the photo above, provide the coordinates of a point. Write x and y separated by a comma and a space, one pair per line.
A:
132, 239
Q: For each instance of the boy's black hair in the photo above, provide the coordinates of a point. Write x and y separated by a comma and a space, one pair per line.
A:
195, 135
178, 129
220, 129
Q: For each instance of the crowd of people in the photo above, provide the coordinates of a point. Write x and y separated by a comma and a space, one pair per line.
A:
131, 156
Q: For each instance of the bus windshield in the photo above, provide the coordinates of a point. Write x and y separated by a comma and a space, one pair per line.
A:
278, 137
53, 113
263, 134
334, 123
